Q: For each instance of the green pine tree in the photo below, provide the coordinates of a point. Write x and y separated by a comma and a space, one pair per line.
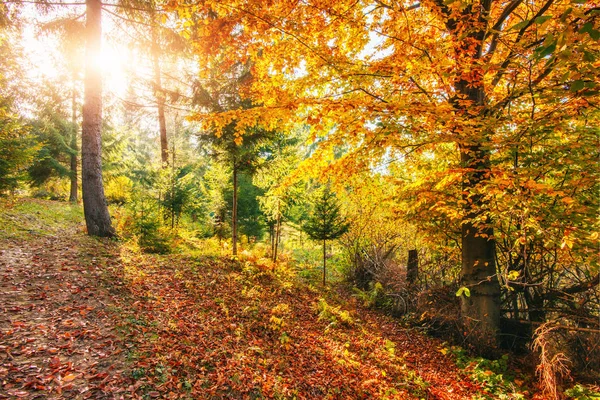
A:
325, 222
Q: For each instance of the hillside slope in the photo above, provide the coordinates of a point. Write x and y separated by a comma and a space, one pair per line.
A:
83, 318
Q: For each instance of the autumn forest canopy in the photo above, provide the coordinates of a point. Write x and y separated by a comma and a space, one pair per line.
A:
436, 160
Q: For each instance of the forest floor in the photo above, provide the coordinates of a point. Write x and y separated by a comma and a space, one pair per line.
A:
86, 318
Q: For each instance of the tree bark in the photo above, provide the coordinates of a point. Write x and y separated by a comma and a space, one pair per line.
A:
412, 267
480, 310
160, 99
272, 237
277, 233
324, 260
234, 211
74, 149
95, 208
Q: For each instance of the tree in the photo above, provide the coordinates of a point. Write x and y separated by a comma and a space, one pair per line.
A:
224, 90
241, 158
95, 208
16, 150
16, 147
280, 158
70, 31
53, 132
325, 222
405, 77
155, 37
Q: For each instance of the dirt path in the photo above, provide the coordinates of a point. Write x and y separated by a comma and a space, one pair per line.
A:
56, 338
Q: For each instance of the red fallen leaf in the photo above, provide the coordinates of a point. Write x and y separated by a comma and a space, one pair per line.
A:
55, 363
154, 394
100, 375
18, 324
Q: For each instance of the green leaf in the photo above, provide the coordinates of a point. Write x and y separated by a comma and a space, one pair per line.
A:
546, 51
520, 25
577, 86
463, 290
588, 56
588, 28
542, 19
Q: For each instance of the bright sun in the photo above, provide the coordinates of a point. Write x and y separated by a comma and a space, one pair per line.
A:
46, 63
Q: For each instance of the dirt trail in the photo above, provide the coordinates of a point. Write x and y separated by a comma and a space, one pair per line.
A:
56, 338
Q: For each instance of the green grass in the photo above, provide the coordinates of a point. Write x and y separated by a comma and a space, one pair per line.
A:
22, 218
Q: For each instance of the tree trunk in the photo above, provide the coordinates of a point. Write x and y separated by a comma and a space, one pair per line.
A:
74, 149
272, 237
172, 188
234, 211
277, 233
160, 99
324, 260
412, 267
480, 310
95, 209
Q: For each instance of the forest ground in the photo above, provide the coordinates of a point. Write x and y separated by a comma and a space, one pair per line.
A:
87, 318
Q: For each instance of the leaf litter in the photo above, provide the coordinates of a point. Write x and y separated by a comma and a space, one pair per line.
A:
84, 318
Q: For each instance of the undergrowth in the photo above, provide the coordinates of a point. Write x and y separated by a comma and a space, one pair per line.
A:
493, 375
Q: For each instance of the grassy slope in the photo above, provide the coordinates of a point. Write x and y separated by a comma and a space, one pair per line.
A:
208, 327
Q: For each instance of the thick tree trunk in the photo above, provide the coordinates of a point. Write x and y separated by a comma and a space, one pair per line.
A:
412, 267
74, 149
234, 211
160, 99
95, 209
480, 310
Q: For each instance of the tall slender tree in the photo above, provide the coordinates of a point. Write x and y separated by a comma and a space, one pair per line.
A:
325, 222
95, 207
70, 31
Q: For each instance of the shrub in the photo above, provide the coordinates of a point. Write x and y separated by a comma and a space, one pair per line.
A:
334, 315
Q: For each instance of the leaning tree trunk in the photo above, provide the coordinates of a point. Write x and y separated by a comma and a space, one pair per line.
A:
97, 218
74, 149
